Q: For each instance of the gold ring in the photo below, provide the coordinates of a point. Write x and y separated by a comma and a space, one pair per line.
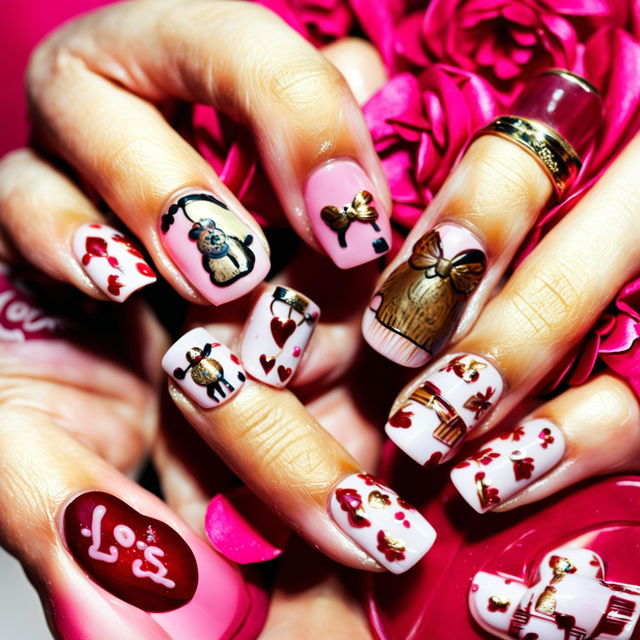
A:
552, 152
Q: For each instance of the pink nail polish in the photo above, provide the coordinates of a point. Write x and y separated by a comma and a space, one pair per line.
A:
215, 250
277, 334
204, 368
455, 396
345, 217
386, 527
416, 310
114, 264
504, 466
569, 598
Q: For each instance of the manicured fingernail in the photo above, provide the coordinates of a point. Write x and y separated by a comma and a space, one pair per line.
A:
569, 599
345, 217
112, 261
503, 467
215, 250
277, 334
136, 558
416, 310
381, 523
204, 368
453, 399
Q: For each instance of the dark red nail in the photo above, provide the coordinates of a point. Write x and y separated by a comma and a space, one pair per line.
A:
566, 103
136, 558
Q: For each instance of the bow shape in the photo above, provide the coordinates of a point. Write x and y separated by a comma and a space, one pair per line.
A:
339, 220
465, 270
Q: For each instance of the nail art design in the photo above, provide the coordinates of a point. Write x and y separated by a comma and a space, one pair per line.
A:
213, 247
386, 527
204, 368
454, 398
277, 333
570, 600
504, 466
344, 215
137, 558
112, 261
416, 310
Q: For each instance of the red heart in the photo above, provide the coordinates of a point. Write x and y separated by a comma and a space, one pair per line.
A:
121, 548
282, 330
284, 373
267, 362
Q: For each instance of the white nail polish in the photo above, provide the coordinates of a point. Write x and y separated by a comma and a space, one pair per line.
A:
504, 466
277, 334
111, 260
386, 527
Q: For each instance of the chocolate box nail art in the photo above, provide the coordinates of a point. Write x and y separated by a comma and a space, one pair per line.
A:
504, 466
112, 261
569, 599
277, 333
344, 215
204, 368
217, 252
380, 522
416, 310
136, 558
454, 398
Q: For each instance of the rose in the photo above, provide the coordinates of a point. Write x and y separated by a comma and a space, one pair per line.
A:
507, 41
419, 125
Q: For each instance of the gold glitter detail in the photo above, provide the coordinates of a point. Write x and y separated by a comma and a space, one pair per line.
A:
379, 500
500, 602
547, 601
397, 544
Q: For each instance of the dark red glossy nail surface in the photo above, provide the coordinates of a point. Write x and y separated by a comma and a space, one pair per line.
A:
137, 558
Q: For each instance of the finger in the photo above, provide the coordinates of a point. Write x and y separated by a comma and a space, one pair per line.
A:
544, 310
309, 129
585, 432
290, 462
458, 251
57, 229
108, 558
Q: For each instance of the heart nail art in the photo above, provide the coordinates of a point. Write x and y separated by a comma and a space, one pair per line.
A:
267, 362
280, 316
281, 331
284, 372
135, 557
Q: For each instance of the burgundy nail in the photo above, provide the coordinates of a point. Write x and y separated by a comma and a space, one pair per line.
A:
566, 103
136, 558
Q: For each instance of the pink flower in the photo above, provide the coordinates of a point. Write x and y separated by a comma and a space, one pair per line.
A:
419, 126
507, 41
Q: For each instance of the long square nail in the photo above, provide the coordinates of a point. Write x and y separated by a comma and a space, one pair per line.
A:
204, 368
454, 398
380, 522
504, 466
114, 264
416, 310
213, 247
277, 334
345, 217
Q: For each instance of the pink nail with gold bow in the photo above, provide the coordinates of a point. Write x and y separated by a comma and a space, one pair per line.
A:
454, 397
114, 264
277, 334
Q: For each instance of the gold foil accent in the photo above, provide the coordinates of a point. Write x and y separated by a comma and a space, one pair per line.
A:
205, 370
471, 368
359, 209
379, 500
423, 298
397, 544
451, 427
292, 298
500, 602
547, 601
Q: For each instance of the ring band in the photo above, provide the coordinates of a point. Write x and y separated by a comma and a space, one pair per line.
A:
552, 152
